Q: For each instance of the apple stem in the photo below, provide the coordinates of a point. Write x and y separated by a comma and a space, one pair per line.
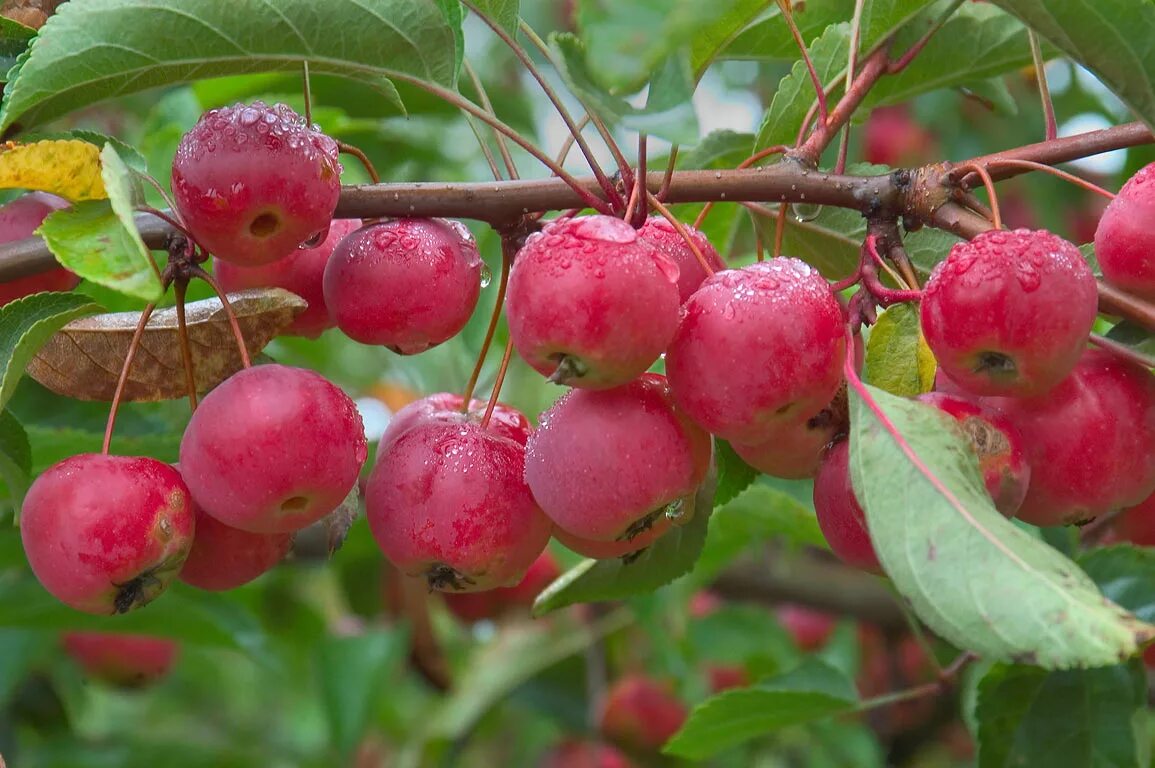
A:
179, 289
307, 92
242, 350
788, 16
1057, 172
356, 152
988, 183
122, 381
681, 230
497, 383
671, 165
780, 229
636, 209
502, 147
507, 253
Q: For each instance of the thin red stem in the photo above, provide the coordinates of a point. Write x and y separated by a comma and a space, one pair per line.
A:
179, 288
1057, 172
780, 229
238, 336
122, 380
990, 187
671, 163
497, 383
637, 217
894, 67
356, 152
788, 15
681, 230
486, 104
506, 260
1051, 129
1123, 351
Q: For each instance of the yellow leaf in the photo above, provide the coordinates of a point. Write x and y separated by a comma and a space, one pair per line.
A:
897, 356
69, 168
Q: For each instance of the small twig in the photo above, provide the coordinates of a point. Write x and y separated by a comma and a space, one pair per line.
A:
307, 92
851, 66
946, 678
507, 253
988, 183
780, 229
179, 287
356, 152
497, 382
671, 164
638, 195
490, 160
896, 66
788, 15
681, 230
1051, 129
161, 191
239, 337
487, 105
1059, 173
968, 198
1122, 351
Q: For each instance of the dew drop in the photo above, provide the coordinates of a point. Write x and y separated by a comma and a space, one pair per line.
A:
804, 212
486, 275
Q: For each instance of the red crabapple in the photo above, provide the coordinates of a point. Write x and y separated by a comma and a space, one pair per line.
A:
446, 406
590, 303
301, 272
1090, 441
794, 451
18, 220
253, 182
493, 603
106, 534
893, 137
810, 628
1137, 524
1125, 237
606, 465
662, 235
122, 659
1000, 449
225, 558
273, 449
757, 348
1009, 313
641, 713
841, 519
447, 501
407, 284
584, 754
646, 535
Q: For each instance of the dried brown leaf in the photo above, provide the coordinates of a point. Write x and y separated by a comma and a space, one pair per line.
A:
83, 360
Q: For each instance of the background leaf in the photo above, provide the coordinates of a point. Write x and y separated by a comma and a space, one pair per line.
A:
975, 578
15, 457
86, 53
83, 359
27, 324
504, 12
353, 671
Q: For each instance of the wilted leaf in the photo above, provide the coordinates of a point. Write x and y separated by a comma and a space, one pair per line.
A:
975, 578
323, 538
83, 360
69, 168
897, 356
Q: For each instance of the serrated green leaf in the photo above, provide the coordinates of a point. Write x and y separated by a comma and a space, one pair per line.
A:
975, 578
673, 554
14, 39
504, 12
351, 670
88, 52
1099, 712
812, 691
711, 39
897, 356
27, 323
796, 94
1112, 38
15, 457
92, 240
668, 114
1126, 575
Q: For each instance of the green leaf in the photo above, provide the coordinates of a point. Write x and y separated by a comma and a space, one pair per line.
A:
812, 691
351, 671
734, 475
975, 578
668, 113
627, 40
88, 52
93, 240
897, 357
1134, 336
27, 323
1112, 38
19, 651
14, 39
977, 43
1099, 712
1126, 575
15, 457
711, 39
504, 12
672, 555
796, 94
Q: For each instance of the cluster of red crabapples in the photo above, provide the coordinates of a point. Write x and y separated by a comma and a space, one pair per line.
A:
469, 501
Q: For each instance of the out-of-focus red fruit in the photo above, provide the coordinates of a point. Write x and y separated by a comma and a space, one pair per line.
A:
475, 606
254, 182
1090, 441
273, 449
301, 272
1137, 525
505, 421
809, 628
641, 713
18, 220
889, 667
1125, 238
121, 659
1009, 313
106, 534
584, 754
225, 558
703, 603
447, 501
757, 348
724, 677
606, 465
662, 235
841, 519
893, 137
591, 304
998, 445
406, 284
